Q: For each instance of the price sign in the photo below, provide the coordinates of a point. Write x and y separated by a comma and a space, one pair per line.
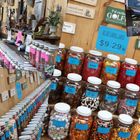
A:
112, 40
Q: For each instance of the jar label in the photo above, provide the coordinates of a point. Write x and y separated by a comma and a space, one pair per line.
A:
59, 123
7, 134
82, 127
124, 135
11, 129
103, 130
15, 126
111, 98
131, 73
70, 90
91, 94
3, 138
92, 65
53, 86
138, 137
73, 61
111, 70
132, 103
39, 133
58, 58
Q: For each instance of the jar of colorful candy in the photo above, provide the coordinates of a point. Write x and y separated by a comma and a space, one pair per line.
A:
74, 60
92, 64
81, 124
129, 101
127, 72
110, 100
72, 90
102, 125
91, 94
110, 68
122, 131
32, 54
59, 122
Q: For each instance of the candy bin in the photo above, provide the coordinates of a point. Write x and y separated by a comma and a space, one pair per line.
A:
122, 130
81, 124
102, 125
110, 68
72, 90
129, 102
59, 122
91, 94
128, 72
74, 61
137, 79
92, 64
110, 100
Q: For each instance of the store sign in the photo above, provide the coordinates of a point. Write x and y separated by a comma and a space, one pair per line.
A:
81, 11
89, 2
112, 40
69, 27
115, 16
122, 1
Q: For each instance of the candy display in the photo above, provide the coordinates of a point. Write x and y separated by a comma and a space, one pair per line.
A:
81, 124
110, 100
129, 101
91, 94
74, 60
110, 68
122, 131
128, 72
59, 122
92, 64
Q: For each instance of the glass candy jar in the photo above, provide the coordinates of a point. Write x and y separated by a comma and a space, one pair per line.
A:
110, 68
92, 64
32, 54
110, 100
81, 124
91, 95
59, 122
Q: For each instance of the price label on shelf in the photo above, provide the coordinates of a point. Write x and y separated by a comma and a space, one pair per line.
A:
112, 40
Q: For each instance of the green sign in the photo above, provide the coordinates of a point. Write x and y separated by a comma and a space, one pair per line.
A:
115, 16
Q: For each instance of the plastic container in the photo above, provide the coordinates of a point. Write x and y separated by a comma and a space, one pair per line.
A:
128, 72
81, 124
110, 68
59, 121
92, 64
74, 60
110, 99
91, 95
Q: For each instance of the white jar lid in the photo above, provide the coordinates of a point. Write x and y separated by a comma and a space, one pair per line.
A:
84, 111
27, 137
76, 49
132, 87
61, 46
74, 77
105, 115
113, 84
126, 119
131, 61
62, 108
57, 73
96, 53
113, 57
94, 80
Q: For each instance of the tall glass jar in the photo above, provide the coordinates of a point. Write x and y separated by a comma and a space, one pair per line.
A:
122, 131
128, 72
92, 64
110, 68
91, 94
81, 124
129, 101
74, 61
102, 125
32, 54
72, 90
59, 122
110, 100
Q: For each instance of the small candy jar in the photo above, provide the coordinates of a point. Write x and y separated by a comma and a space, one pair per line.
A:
92, 64
110, 100
59, 122
128, 72
129, 101
81, 124
74, 61
111, 68
72, 90
122, 131
91, 95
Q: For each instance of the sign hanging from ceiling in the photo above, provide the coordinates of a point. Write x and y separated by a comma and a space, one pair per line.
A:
89, 2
